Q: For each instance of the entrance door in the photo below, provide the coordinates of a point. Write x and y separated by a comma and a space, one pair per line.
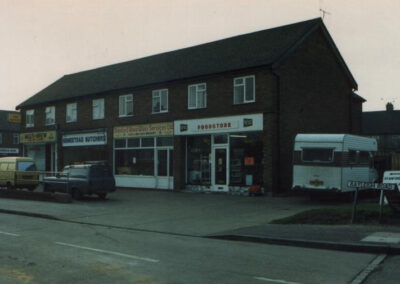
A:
220, 168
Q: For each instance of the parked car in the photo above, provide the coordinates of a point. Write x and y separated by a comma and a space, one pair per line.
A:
82, 179
18, 172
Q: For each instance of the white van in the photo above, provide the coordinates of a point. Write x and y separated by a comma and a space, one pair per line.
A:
326, 162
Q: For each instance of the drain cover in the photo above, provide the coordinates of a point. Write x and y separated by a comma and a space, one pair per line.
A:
383, 237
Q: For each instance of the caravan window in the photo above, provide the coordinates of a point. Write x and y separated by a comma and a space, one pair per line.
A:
317, 155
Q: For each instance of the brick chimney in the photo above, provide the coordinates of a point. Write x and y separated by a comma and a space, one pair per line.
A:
389, 107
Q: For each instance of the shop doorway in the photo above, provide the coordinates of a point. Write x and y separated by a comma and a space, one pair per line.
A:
219, 171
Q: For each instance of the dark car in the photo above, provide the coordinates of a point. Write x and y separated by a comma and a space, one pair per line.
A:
82, 179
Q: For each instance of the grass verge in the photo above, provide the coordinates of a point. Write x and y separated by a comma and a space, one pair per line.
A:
340, 215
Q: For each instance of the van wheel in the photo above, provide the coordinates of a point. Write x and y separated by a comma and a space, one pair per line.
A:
102, 195
76, 194
9, 186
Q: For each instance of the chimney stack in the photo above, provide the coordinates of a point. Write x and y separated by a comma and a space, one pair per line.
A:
389, 107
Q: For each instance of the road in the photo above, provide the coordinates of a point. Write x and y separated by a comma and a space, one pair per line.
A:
36, 250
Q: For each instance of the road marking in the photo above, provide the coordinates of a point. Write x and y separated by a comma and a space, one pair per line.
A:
110, 252
369, 269
9, 234
275, 280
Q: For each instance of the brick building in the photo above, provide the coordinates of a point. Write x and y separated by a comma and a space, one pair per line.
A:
217, 116
9, 133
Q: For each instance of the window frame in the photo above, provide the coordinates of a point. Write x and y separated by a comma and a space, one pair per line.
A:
197, 93
68, 110
15, 138
30, 113
100, 106
50, 110
243, 84
125, 100
157, 94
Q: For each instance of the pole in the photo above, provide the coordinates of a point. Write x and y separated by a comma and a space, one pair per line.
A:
381, 201
354, 213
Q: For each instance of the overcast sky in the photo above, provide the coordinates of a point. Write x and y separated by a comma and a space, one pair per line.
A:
41, 40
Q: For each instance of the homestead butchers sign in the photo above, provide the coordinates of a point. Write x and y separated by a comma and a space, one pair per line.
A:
86, 139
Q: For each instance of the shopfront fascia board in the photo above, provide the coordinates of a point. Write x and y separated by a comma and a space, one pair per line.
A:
225, 124
8, 151
84, 139
144, 130
38, 137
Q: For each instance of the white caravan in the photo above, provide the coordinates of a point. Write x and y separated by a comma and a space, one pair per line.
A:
326, 162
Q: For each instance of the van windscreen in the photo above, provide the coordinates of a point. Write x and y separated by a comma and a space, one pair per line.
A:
26, 166
317, 155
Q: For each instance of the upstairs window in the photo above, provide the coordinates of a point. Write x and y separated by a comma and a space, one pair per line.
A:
30, 118
71, 113
244, 90
125, 105
160, 101
98, 109
15, 138
50, 115
197, 96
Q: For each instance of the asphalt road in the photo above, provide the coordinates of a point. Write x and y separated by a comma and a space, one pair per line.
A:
44, 251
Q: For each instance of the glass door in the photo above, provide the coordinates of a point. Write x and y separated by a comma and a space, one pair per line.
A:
220, 168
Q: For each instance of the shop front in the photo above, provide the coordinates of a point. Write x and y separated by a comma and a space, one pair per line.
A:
223, 153
86, 146
143, 155
42, 147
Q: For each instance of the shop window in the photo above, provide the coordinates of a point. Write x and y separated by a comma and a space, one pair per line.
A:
133, 142
165, 141
246, 153
30, 118
50, 115
15, 138
244, 90
126, 105
197, 96
71, 113
98, 109
135, 162
148, 142
160, 101
198, 160
120, 143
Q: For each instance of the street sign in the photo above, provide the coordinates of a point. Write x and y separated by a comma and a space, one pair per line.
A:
371, 185
392, 177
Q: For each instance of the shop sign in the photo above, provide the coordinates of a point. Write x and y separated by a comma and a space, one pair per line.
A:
144, 130
239, 123
38, 137
14, 117
9, 151
84, 139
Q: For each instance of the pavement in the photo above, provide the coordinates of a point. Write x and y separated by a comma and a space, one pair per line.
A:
237, 218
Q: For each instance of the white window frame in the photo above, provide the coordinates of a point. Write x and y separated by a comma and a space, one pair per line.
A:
16, 138
30, 118
123, 107
50, 115
197, 92
243, 84
71, 112
98, 104
158, 94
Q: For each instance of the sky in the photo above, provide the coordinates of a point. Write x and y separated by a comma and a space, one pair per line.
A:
42, 40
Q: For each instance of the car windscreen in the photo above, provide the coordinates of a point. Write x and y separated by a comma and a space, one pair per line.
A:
317, 155
78, 173
26, 166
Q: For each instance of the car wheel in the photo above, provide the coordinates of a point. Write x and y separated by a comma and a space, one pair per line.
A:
102, 195
76, 194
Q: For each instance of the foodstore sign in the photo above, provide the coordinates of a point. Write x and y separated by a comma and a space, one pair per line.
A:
86, 139
239, 123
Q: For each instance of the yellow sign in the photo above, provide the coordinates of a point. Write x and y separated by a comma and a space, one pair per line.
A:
14, 117
38, 137
144, 130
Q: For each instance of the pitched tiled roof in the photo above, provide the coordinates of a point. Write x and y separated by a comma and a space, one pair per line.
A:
245, 51
381, 122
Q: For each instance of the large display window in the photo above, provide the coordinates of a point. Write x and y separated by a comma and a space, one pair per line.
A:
146, 156
198, 162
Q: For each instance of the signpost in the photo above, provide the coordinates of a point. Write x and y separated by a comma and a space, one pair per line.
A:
359, 185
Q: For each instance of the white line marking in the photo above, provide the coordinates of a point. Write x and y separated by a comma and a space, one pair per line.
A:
110, 252
9, 234
369, 269
275, 280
